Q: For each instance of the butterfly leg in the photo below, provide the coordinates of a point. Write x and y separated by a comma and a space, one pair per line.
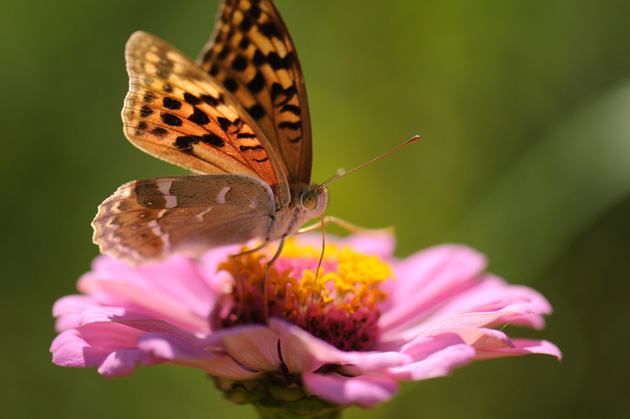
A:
271, 262
275, 257
237, 276
345, 225
322, 224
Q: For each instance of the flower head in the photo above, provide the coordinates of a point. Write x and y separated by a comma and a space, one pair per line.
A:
345, 336
339, 305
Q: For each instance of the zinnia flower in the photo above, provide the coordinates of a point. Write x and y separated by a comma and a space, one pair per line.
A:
345, 337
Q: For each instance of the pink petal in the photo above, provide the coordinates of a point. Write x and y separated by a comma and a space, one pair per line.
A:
101, 314
492, 294
217, 281
151, 289
120, 363
69, 309
255, 347
479, 337
88, 345
379, 244
365, 391
482, 319
300, 350
108, 335
490, 302
464, 321
303, 352
137, 321
522, 347
181, 352
189, 290
171, 347
437, 267
71, 304
427, 280
434, 356
69, 349
369, 362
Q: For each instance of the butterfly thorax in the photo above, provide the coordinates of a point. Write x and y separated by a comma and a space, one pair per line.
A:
307, 202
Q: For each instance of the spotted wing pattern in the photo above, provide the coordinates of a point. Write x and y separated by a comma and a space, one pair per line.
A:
152, 218
251, 53
177, 112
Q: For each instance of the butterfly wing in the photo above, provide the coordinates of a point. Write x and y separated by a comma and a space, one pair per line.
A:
152, 218
177, 112
253, 56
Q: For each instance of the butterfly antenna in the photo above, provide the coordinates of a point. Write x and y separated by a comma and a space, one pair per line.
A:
340, 172
339, 176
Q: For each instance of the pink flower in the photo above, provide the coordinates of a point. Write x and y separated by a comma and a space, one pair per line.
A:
347, 337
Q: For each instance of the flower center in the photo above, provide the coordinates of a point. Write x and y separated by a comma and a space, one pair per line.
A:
338, 305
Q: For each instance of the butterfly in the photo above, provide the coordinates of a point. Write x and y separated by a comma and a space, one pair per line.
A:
239, 118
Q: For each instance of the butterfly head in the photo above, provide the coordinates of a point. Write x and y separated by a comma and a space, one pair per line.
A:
313, 200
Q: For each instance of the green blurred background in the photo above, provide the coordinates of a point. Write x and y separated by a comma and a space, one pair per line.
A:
523, 108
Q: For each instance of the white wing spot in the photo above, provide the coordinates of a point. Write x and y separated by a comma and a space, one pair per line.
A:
199, 217
157, 231
165, 188
171, 201
222, 193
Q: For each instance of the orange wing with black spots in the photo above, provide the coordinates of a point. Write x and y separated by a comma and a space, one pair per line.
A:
177, 112
251, 53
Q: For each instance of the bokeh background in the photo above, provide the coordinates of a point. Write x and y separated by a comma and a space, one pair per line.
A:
524, 113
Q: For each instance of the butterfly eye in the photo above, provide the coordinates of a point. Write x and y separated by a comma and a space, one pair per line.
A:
308, 200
